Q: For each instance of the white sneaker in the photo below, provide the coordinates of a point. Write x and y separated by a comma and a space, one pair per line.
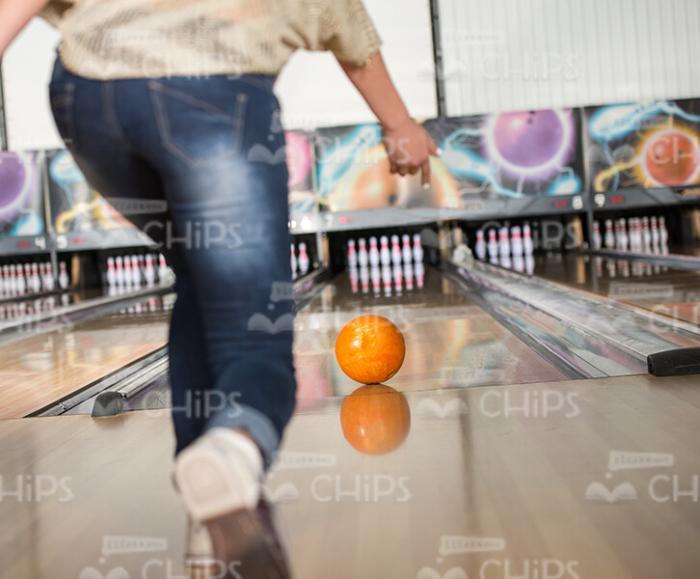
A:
218, 474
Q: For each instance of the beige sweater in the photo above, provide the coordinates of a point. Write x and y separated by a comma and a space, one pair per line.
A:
111, 39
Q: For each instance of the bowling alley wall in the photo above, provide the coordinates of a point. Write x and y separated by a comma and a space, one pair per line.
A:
540, 107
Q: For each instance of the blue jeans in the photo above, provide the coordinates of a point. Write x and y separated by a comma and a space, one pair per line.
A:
196, 164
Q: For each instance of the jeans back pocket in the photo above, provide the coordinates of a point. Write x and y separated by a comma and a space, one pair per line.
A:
199, 131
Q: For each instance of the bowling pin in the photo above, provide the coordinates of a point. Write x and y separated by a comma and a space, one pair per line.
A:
420, 274
396, 255
111, 272
493, 245
21, 284
376, 275
149, 271
518, 263
384, 252
304, 261
663, 235
622, 239
646, 236
609, 235
373, 252
387, 279
293, 260
162, 269
50, 280
408, 275
503, 242
63, 279
36, 280
516, 241
364, 279
655, 235
407, 253
354, 278
529, 264
135, 271
398, 277
417, 248
528, 246
362, 257
352, 254
596, 241
480, 246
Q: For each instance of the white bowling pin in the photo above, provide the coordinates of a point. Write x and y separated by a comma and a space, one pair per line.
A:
596, 240
418, 253
20, 283
387, 279
480, 246
63, 279
528, 246
646, 236
364, 279
111, 272
162, 269
407, 253
420, 274
293, 260
373, 252
354, 279
385, 252
654, 234
352, 254
135, 271
149, 271
50, 280
36, 280
396, 255
609, 235
362, 257
304, 261
663, 235
408, 275
376, 275
529, 264
493, 245
503, 242
398, 277
516, 241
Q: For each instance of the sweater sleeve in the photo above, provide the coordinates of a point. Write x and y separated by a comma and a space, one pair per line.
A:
346, 29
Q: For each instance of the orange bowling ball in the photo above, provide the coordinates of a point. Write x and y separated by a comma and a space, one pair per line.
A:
370, 349
375, 419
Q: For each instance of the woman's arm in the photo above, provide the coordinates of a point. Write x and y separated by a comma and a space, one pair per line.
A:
409, 146
14, 16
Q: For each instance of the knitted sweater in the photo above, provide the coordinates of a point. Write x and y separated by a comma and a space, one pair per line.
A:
111, 39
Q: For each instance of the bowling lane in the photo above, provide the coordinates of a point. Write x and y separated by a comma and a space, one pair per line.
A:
672, 292
42, 368
450, 341
480, 483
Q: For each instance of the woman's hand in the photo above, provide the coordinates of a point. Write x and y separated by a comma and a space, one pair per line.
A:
409, 147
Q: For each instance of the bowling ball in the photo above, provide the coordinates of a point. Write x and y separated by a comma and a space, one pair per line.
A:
528, 139
370, 349
375, 419
672, 158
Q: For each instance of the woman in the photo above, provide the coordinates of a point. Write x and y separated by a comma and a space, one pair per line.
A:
162, 100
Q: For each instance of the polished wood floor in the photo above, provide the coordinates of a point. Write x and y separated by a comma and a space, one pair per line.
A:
595, 478
41, 369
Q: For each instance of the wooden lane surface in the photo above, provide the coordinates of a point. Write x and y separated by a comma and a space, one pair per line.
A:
480, 468
450, 341
41, 369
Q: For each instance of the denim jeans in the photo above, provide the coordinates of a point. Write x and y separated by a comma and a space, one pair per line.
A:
197, 163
